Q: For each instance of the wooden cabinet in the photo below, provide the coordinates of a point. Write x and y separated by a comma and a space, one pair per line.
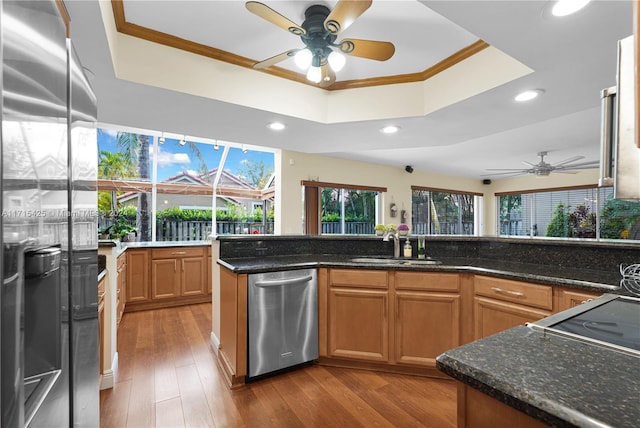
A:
137, 276
101, 291
358, 314
232, 355
121, 290
427, 316
568, 298
358, 324
477, 410
209, 277
165, 279
500, 304
394, 318
177, 272
167, 276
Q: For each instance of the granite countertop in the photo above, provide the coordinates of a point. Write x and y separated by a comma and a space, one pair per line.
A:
122, 246
560, 381
593, 280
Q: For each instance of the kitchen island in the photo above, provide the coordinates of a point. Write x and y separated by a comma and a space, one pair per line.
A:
558, 381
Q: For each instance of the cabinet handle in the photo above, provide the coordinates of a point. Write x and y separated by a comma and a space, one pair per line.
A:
507, 292
178, 252
175, 264
397, 308
182, 265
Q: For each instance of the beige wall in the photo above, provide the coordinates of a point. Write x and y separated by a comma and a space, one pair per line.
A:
295, 167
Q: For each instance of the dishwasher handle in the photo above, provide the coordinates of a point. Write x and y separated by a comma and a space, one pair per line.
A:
282, 282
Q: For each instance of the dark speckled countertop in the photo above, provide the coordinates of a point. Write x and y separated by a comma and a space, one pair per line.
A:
594, 280
560, 381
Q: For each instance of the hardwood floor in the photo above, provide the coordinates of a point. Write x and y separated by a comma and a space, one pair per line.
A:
168, 377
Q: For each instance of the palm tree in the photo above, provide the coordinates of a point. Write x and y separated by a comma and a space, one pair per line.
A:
136, 149
114, 165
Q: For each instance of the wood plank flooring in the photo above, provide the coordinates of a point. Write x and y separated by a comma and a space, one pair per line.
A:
168, 377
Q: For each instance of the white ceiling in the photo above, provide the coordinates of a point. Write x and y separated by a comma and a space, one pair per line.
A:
573, 58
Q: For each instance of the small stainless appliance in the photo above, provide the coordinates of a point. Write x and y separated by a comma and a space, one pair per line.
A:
283, 320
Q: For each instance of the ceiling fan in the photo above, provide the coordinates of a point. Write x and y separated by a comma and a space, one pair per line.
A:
542, 168
322, 55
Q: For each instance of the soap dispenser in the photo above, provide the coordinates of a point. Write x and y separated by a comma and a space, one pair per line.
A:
407, 248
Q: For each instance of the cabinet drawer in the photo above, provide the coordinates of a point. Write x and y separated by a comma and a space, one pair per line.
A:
172, 253
427, 281
358, 278
540, 296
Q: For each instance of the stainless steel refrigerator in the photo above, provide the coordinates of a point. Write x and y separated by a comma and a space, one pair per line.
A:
48, 301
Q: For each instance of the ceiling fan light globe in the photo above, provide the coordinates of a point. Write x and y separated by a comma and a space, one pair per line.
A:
336, 61
567, 7
303, 59
314, 74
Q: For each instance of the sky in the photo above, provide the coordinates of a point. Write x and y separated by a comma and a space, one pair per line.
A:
174, 159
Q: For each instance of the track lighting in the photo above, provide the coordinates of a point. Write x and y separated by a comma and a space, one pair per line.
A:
183, 141
215, 146
161, 139
244, 149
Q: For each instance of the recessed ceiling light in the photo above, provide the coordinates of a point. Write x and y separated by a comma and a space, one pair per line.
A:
391, 129
567, 7
276, 126
528, 95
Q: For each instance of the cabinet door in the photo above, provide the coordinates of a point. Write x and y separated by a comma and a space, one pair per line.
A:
165, 278
193, 274
426, 325
137, 289
493, 316
358, 324
569, 298
209, 278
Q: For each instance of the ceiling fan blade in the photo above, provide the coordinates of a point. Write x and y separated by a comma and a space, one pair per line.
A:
328, 76
529, 164
343, 15
580, 165
505, 173
369, 49
265, 12
275, 59
566, 161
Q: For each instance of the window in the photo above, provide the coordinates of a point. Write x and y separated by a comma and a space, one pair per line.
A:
579, 212
341, 209
171, 199
445, 212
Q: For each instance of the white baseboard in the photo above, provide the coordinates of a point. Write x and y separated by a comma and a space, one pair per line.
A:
109, 375
215, 343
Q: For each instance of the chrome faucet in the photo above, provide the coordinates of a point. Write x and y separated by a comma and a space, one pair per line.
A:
396, 242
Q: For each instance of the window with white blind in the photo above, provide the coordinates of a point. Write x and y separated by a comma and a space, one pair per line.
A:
579, 213
445, 212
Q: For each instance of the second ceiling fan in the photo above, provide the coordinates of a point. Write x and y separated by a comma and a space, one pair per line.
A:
542, 168
322, 54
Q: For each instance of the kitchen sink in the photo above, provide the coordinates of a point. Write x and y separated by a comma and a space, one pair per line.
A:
395, 262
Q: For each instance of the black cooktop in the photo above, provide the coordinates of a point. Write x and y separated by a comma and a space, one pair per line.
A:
609, 320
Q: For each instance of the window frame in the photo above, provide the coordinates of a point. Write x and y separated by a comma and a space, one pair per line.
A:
477, 209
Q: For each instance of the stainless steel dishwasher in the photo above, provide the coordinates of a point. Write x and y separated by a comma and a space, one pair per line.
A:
283, 320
